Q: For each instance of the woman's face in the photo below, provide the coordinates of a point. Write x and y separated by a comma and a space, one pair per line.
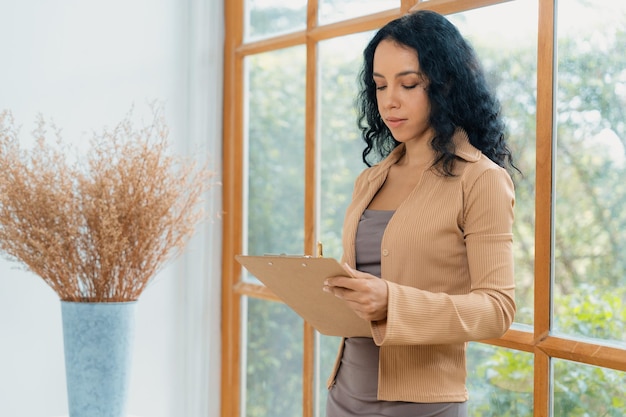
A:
401, 92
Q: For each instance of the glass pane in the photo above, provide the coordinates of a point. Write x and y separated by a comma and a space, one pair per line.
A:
327, 349
273, 361
590, 222
331, 11
275, 152
500, 381
584, 391
505, 39
265, 18
340, 146
339, 138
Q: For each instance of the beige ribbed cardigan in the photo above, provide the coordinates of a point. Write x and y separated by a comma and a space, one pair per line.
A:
446, 255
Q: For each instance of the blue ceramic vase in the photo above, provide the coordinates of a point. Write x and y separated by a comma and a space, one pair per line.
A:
98, 344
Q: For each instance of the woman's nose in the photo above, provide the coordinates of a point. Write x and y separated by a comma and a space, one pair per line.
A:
390, 98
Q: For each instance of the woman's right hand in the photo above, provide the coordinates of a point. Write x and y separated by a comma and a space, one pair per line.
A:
364, 293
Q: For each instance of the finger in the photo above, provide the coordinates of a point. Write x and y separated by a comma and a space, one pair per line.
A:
342, 282
337, 291
355, 273
351, 272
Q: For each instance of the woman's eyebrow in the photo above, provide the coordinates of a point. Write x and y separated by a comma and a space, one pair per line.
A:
400, 74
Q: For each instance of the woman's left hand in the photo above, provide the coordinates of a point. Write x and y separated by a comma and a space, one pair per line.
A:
364, 293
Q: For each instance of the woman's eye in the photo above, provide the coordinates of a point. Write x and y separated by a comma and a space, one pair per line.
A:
410, 87
380, 87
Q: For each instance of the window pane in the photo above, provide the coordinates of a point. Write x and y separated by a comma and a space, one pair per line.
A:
265, 18
275, 152
340, 161
505, 39
340, 143
326, 352
331, 11
582, 390
273, 361
590, 225
500, 381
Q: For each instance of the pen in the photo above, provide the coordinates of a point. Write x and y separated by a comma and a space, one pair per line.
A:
320, 252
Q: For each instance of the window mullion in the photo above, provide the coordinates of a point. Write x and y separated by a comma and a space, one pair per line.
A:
310, 204
544, 201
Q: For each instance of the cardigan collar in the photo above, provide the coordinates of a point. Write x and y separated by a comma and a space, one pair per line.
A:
462, 148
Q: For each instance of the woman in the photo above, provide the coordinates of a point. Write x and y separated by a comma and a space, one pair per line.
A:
432, 217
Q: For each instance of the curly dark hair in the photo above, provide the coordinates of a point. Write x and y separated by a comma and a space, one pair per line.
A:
458, 92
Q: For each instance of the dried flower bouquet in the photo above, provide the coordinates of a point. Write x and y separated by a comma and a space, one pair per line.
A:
100, 228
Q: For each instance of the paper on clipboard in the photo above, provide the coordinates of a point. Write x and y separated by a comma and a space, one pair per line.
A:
298, 282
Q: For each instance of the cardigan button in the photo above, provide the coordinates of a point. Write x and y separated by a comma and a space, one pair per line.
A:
385, 252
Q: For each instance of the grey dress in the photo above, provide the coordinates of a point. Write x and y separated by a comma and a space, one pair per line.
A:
356, 384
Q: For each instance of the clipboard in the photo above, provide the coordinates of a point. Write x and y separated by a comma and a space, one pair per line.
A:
298, 282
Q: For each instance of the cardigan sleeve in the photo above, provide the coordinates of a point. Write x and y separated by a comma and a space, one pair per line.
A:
417, 316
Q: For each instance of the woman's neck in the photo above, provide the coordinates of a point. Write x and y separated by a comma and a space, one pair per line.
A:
417, 155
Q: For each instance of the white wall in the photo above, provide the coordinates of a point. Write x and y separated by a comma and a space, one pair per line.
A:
83, 64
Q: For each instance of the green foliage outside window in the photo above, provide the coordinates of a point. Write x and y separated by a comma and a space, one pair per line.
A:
274, 360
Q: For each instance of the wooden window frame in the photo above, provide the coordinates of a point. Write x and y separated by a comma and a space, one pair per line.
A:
540, 342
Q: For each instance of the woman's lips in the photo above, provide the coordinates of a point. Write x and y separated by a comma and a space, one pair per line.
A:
394, 121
